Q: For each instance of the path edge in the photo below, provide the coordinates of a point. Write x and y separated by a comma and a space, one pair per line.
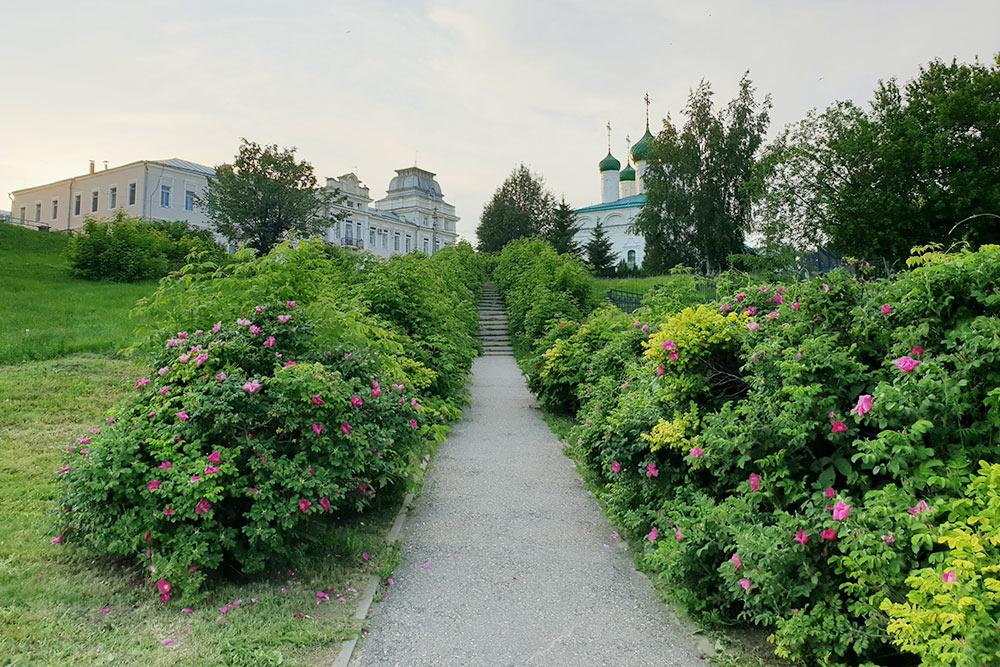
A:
348, 646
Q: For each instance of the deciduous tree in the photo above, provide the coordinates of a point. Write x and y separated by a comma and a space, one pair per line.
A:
698, 206
265, 193
920, 165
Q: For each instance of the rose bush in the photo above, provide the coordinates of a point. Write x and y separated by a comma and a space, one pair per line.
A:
784, 457
271, 414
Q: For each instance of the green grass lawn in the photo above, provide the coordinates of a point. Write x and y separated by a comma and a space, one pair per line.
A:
51, 596
49, 314
641, 285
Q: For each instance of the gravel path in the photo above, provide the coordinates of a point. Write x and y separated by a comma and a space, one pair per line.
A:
508, 560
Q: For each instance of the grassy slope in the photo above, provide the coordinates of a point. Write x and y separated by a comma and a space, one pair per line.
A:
51, 596
47, 313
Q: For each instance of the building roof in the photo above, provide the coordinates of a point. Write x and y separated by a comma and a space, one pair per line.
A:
643, 147
635, 201
609, 163
174, 163
178, 163
415, 178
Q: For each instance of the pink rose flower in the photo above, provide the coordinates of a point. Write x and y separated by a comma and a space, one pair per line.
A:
906, 364
864, 405
653, 534
841, 511
754, 481
829, 534
801, 537
837, 427
745, 583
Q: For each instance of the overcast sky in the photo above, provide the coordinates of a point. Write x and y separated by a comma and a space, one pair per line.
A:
467, 89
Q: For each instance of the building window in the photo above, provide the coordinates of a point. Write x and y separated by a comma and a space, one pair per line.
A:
631, 258
23, 208
38, 212
371, 236
385, 238
93, 201
407, 243
113, 197
437, 246
165, 196
426, 247
131, 194
349, 232
55, 209
189, 200
395, 241
76, 205
336, 230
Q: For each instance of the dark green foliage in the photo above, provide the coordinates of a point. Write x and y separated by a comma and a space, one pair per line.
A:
698, 208
264, 194
563, 229
920, 165
520, 208
128, 249
600, 254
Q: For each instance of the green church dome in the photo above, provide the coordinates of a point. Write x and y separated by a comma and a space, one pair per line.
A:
609, 163
642, 149
627, 174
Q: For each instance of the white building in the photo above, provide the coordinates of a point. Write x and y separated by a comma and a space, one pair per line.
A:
623, 195
413, 216
147, 189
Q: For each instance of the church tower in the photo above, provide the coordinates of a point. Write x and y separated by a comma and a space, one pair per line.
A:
609, 167
627, 175
642, 150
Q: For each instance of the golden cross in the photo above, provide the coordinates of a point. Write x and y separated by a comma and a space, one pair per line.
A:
646, 97
609, 137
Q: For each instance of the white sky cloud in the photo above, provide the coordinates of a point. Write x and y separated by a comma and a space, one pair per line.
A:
469, 89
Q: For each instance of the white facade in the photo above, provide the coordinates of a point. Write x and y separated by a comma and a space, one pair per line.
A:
147, 189
412, 217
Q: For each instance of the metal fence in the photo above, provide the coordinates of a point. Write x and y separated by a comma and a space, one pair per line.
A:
625, 301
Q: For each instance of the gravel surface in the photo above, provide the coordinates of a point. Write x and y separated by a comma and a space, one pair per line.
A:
499, 567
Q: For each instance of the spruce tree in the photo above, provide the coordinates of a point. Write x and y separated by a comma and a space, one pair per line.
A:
563, 229
599, 252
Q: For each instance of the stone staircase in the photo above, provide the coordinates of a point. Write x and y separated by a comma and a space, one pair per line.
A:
493, 324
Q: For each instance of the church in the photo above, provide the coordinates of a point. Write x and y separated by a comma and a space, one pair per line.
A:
623, 195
